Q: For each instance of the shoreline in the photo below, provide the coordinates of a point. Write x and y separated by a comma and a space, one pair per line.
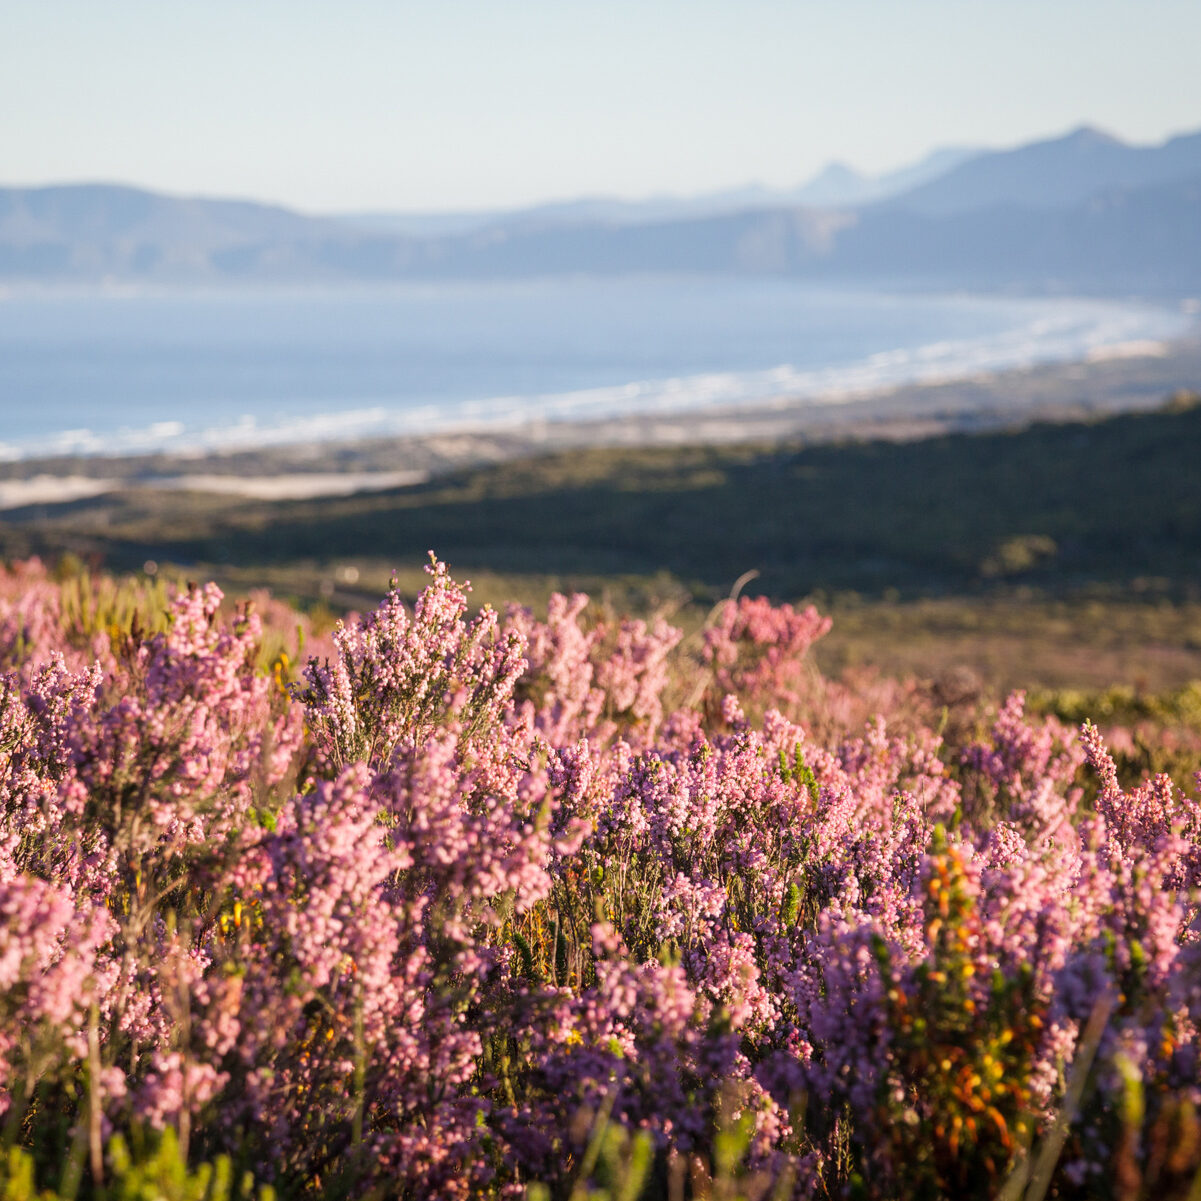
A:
1128, 377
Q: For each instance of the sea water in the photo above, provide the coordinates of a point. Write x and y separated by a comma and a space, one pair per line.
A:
122, 371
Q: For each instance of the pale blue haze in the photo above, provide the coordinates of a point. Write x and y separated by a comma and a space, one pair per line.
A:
387, 104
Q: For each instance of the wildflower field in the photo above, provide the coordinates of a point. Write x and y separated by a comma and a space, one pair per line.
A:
566, 905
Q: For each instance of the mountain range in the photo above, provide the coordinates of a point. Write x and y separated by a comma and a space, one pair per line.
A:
835, 185
1082, 212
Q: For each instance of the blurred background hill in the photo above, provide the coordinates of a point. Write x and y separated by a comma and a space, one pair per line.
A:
1083, 212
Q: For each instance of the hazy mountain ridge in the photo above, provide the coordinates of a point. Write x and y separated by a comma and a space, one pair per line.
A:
837, 184
1084, 211
1059, 173
841, 185
1123, 240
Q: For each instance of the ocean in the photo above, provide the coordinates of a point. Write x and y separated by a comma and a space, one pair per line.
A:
124, 371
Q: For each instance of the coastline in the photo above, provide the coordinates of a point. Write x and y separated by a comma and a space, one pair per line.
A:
1128, 377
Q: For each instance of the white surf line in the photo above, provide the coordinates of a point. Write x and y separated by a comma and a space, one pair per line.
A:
1137, 349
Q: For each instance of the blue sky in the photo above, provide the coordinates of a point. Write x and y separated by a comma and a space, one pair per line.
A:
470, 104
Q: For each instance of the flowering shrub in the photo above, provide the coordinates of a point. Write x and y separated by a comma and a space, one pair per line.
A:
497, 906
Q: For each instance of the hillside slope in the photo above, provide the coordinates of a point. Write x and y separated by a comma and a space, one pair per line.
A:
1055, 506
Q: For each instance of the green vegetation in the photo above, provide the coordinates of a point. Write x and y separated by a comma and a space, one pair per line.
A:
1053, 556
1054, 505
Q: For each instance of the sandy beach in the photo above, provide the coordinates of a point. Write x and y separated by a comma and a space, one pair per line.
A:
1124, 378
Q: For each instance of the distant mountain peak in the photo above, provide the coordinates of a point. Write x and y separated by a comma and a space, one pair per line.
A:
1089, 135
1054, 173
838, 170
838, 183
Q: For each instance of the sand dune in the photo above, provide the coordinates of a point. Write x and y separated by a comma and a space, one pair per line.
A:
58, 490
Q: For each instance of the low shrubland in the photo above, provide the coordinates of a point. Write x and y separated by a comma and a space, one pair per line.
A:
960, 514
568, 905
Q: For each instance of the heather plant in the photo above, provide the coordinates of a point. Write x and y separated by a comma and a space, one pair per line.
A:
759, 650
395, 677
1147, 733
565, 906
30, 608
1023, 772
